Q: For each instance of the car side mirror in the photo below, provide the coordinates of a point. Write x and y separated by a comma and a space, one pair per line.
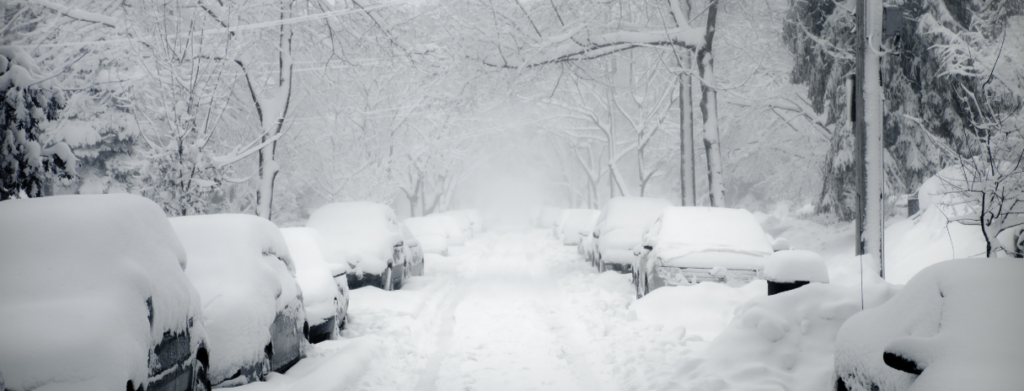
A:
650, 242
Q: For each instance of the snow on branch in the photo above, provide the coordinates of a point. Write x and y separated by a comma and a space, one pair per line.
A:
78, 14
571, 48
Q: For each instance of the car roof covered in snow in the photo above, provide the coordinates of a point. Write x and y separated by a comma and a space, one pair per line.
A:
365, 232
711, 228
630, 213
244, 272
426, 225
74, 282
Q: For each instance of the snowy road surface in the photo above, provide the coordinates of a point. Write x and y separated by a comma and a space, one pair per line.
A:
514, 311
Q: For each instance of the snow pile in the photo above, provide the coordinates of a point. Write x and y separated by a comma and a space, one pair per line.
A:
464, 223
321, 296
795, 265
958, 321
785, 341
241, 266
365, 232
703, 309
430, 232
75, 278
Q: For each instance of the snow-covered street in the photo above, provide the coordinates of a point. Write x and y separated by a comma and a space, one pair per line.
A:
510, 311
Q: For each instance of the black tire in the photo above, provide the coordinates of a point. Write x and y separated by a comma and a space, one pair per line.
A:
268, 352
201, 371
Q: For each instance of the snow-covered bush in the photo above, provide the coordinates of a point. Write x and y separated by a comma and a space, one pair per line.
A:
324, 293
30, 101
241, 266
89, 285
956, 325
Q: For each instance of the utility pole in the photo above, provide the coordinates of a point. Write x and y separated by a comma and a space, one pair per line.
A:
867, 130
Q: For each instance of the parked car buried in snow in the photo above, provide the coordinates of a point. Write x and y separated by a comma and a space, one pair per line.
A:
620, 228
369, 236
413, 252
693, 244
956, 325
324, 285
93, 295
430, 232
255, 321
578, 222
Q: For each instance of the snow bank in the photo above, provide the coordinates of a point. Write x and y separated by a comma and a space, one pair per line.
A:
328, 366
430, 232
463, 221
365, 232
241, 266
795, 265
704, 309
959, 321
785, 341
321, 296
74, 282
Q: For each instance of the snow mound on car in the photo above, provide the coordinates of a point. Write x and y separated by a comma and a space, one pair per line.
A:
960, 321
241, 266
74, 280
784, 341
364, 231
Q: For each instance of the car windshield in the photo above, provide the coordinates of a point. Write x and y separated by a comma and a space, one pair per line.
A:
724, 228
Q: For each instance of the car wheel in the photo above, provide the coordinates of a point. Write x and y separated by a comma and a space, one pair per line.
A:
201, 371
386, 280
268, 351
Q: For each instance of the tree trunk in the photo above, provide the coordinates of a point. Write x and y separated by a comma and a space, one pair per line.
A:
687, 164
274, 117
709, 110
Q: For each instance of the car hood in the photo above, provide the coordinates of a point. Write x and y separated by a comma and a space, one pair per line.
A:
707, 257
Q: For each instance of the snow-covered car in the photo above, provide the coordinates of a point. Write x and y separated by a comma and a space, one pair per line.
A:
93, 296
556, 229
255, 321
956, 325
620, 228
368, 235
464, 222
548, 217
692, 244
324, 285
430, 232
477, 219
578, 222
413, 253
452, 229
